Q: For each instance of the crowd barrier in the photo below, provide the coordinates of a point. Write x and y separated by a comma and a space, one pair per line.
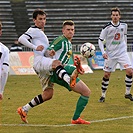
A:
97, 61
21, 62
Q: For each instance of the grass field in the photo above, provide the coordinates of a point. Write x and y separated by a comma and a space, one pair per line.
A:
113, 116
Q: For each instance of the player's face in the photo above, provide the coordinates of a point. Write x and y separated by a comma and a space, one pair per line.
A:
68, 31
115, 16
40, 21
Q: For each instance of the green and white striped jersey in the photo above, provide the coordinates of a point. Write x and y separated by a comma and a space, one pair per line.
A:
63, 49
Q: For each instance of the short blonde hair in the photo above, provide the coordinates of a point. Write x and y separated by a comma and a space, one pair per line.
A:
68, 22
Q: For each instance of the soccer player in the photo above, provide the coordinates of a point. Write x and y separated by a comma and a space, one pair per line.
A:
63, 51
4, 65
115, 34
44, 66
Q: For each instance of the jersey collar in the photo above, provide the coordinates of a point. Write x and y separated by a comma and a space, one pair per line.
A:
116, 24
36, 27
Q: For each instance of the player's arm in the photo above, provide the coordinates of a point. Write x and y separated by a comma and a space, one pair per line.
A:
125, 34
24, 39
101, 46
101, 43
1, 91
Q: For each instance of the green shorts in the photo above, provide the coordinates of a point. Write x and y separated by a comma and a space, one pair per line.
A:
55, 79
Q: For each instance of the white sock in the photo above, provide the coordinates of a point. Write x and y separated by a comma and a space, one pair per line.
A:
103, 93
66, 78
26, 108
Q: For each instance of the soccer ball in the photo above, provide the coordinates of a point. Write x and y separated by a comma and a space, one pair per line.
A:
87, 50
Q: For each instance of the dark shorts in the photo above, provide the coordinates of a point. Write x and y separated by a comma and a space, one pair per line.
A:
55, 79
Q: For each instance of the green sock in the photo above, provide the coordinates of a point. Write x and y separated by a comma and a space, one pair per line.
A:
81, 104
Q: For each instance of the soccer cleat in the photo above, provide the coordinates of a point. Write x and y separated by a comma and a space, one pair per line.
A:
79, 121
22, 114
129, 96
77, 63
73, 78
102, 99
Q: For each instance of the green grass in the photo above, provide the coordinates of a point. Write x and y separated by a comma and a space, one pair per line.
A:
21, 89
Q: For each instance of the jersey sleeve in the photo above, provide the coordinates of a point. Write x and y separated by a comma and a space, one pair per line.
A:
56, 47
56, 44
101, 40
103, 34
24, 39
0, 68
32, 33
27, 36
125, 33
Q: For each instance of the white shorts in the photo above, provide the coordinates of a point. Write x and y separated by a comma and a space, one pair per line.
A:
42, 63
43, 68
123, 61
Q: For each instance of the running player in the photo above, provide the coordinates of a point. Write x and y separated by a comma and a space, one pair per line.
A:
43, 65
4, 65
115, 34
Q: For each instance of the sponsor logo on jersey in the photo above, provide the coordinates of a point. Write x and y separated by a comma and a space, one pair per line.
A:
115, 43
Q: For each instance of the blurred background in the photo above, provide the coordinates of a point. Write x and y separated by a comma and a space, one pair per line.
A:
89, 16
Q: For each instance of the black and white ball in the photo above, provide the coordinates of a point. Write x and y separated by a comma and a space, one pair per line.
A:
87, 50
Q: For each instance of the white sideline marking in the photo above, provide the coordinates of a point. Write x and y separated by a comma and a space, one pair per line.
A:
112, 119
65, 125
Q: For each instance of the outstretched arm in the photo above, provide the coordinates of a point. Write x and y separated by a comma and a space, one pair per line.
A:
24, 39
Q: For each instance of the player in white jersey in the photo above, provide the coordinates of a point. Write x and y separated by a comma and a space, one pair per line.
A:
115, 34
4, 65
36, 39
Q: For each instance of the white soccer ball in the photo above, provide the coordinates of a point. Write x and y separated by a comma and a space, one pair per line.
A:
87, 50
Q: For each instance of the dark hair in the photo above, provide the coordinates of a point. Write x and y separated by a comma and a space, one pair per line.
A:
116, 9
38, 12
68, 22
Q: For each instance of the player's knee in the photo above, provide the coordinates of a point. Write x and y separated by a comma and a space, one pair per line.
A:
88, 92
107, 75
56, 63
129, 72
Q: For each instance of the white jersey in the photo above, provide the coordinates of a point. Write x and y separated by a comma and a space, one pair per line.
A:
116, 39
36, 37
4, 66
4, 58
32, 38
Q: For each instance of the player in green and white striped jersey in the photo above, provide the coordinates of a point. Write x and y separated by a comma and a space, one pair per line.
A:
63, 51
